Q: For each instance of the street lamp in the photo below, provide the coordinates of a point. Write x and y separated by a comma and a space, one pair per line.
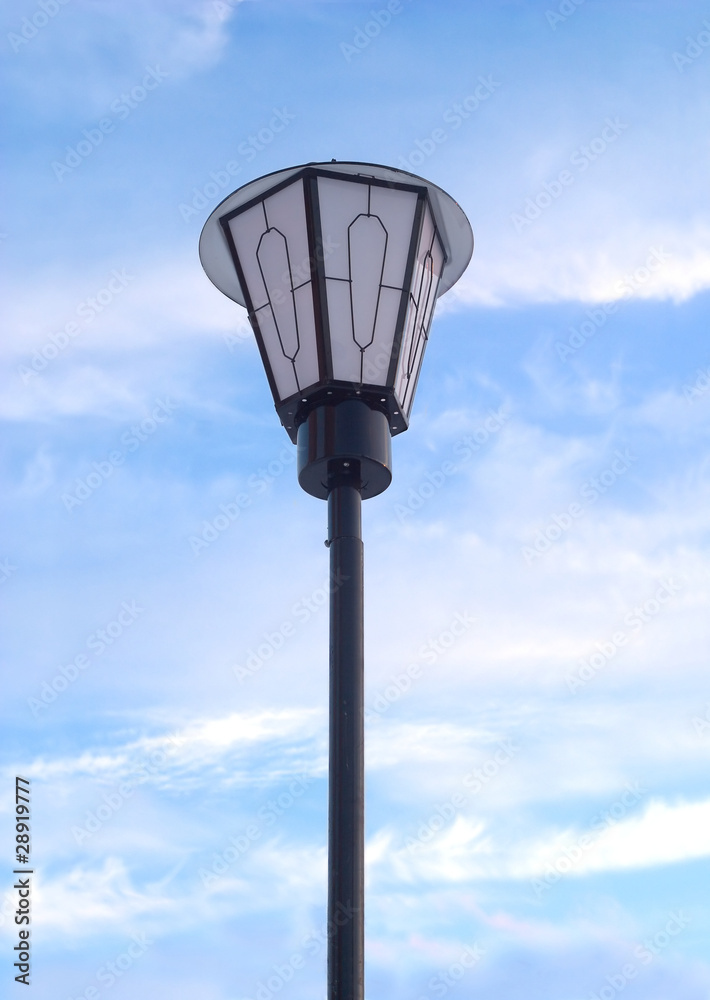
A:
339, 266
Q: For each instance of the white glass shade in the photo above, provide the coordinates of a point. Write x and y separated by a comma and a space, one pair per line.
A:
339, 270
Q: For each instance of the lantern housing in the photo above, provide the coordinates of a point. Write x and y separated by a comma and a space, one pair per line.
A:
339, 266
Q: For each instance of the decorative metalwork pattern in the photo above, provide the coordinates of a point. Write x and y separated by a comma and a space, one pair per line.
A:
367, 248
275, 264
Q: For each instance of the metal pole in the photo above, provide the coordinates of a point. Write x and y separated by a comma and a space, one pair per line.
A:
346, 789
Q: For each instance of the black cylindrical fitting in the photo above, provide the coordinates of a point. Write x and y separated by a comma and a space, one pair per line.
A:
335, 436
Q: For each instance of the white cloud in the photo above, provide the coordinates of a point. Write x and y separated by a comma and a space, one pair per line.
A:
83, 899
487, 838
90, 900
664, 834
549, 265
469, 849
180, 38
67, 355
144, 307
201, 746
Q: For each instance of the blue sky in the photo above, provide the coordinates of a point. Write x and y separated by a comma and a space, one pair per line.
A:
538, 806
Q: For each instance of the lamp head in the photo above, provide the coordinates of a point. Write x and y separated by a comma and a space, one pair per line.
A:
339, 266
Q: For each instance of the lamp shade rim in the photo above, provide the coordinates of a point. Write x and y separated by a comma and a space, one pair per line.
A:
451, 221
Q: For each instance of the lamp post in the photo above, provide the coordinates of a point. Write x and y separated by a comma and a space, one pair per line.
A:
339, 266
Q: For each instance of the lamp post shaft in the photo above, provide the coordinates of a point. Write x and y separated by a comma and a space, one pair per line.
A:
346, 788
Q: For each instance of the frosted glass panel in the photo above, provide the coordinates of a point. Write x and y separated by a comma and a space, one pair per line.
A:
307, 357
367, 243
247, 229
405, 351
396, 210
340, 204
272, 256
286, 212
281, 368
425, 282
376, 359
346, 353
283, 213
271, 241
367, 233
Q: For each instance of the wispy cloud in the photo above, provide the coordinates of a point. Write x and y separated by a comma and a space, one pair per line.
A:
200, 749
575, 265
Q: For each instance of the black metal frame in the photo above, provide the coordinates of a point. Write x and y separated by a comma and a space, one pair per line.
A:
294, 409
